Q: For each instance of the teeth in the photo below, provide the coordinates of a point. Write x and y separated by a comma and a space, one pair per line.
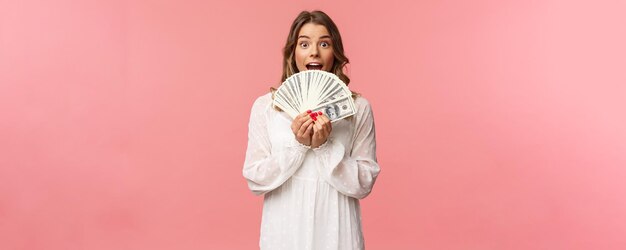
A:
314, 66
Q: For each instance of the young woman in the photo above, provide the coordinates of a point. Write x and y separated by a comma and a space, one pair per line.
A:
312, 173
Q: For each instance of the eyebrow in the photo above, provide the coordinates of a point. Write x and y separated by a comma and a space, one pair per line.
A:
324, 36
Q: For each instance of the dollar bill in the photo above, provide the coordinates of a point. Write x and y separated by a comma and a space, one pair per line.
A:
338, 109
315, 90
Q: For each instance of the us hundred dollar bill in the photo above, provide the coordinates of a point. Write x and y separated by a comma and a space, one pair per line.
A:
337, 109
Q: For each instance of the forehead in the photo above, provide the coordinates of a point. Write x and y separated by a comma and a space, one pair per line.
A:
313, 30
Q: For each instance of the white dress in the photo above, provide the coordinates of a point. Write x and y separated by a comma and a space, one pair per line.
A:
311, 195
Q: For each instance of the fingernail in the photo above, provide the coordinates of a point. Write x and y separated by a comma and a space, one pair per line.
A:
308, 111
312, 115
314, 118
319, 112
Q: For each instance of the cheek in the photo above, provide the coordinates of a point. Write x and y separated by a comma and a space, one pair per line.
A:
299, 57
328, 60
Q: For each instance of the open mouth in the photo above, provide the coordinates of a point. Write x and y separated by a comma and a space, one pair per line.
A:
314, 66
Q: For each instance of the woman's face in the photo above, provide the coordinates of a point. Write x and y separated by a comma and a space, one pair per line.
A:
314, 49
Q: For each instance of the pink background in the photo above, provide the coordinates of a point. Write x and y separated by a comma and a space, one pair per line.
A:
501, 124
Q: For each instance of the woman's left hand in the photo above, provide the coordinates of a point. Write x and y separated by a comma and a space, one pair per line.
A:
321, 130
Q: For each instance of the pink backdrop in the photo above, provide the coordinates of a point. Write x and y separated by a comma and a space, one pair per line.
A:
501, 124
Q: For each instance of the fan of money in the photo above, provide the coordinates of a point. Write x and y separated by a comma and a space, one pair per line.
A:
315, 90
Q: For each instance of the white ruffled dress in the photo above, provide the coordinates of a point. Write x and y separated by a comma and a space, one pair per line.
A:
311, 195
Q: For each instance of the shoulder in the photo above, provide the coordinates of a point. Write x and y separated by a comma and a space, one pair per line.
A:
264, 99
263, 102
363, 109
362, 104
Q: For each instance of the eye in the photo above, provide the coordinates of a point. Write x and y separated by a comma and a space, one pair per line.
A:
304, 45
325, 44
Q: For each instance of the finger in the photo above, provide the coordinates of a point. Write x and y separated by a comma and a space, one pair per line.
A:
318, 126
306, 124
305, 118
322, 121
297, 119
304, 127
301, 118
327, 123
309, 130
325, 118
319, 133
303, 114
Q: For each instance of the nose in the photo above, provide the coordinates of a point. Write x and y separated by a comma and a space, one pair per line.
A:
314, 51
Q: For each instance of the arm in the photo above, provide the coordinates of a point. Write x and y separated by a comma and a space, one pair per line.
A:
263, 170
353, 174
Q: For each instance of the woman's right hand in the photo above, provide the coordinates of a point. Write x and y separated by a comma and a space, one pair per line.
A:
302, 127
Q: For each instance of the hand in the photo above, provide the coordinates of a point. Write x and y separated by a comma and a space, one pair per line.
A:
302, 128
321, 130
